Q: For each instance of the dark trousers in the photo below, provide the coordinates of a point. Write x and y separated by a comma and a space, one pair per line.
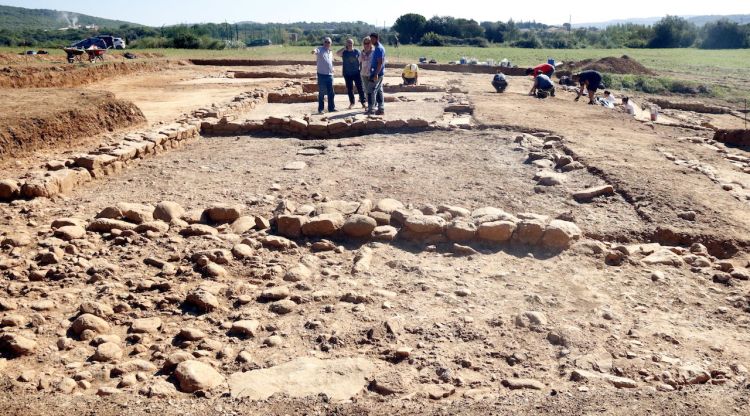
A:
352, 81
325, 87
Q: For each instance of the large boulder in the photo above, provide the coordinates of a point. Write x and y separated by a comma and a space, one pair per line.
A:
496, 231
194, 375
459, 231
323, 225
425, 224
9, 189
530, 231
388, 205
89, 322
17, 345
560, 234
290, 225
223, 213
167, 211
359, 226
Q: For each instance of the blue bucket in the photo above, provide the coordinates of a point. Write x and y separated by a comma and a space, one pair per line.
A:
551, 61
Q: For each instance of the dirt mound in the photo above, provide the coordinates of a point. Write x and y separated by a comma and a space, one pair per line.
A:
42, 119
610, 64
70, 75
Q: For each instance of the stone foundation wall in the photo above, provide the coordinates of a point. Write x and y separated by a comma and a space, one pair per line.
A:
63, 176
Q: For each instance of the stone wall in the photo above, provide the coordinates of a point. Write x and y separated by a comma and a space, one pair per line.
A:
63, 176
243, 102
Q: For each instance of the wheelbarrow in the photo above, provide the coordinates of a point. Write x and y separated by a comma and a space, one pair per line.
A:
74, 54
96, 54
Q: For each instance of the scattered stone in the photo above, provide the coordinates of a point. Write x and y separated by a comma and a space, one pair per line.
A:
587, 195
17, 345
70, 232
384, 233
298, 273
203, 300
362, 260
663, 257
106, 225
195, 375
196, 230
243, 224
273, 341
245, 328
298, 165
522, 383
290, 225
107, 352
283, 307
274, 293
146, 325
242, 251
531, 319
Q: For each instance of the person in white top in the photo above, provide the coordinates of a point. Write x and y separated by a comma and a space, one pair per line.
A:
610, 99
628, 106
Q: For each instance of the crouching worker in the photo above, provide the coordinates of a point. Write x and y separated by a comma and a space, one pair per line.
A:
499, 82
591, 80
542, 87
410, 74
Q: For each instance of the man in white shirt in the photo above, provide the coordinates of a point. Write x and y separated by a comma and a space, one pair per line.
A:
325, 76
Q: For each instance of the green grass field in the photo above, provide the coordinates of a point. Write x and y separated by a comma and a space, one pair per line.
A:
725, 70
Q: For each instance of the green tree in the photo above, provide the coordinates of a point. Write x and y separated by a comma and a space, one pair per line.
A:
725, 35
673, 32
410, 27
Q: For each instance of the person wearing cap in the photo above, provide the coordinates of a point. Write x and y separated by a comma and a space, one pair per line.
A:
545, 68
350, 55
325, 76
591, 80
377, 71
410, 74
542, 87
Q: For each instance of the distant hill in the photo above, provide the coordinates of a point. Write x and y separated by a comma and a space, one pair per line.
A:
19, 18
698, 20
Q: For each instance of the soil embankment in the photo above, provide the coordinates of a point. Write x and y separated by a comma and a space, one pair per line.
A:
42, 119
74, 75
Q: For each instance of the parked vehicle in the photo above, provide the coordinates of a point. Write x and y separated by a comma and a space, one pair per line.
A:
89, 43
112, 41
259, 42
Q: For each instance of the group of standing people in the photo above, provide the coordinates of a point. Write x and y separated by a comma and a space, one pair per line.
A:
363, 69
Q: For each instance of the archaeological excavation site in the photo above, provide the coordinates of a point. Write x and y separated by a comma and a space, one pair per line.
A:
192, 237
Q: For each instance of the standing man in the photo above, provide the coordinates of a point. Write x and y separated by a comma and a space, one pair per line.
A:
350, 55
325, 76
591, 80
377, 71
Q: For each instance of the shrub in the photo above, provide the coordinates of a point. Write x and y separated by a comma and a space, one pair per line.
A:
432, 39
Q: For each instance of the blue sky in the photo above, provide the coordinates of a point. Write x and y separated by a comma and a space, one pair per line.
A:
166, 12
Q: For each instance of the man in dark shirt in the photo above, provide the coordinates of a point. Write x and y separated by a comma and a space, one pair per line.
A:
352, 78
591, 80
499, 82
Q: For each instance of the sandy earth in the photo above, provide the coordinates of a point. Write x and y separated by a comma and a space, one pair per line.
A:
440, 331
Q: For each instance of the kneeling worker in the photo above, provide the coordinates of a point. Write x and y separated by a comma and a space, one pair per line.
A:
410, 74
499, 82
542, 87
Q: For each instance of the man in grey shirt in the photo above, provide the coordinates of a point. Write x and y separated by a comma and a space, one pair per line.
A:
325, 76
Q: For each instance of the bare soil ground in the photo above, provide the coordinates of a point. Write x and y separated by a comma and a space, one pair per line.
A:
441, 333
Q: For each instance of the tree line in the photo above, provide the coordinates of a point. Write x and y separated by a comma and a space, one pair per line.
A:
669, 32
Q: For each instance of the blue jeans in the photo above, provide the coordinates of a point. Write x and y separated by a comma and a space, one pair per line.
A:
325, 87
376, 92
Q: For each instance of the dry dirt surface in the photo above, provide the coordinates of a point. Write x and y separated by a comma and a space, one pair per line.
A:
450, 271
71, 75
